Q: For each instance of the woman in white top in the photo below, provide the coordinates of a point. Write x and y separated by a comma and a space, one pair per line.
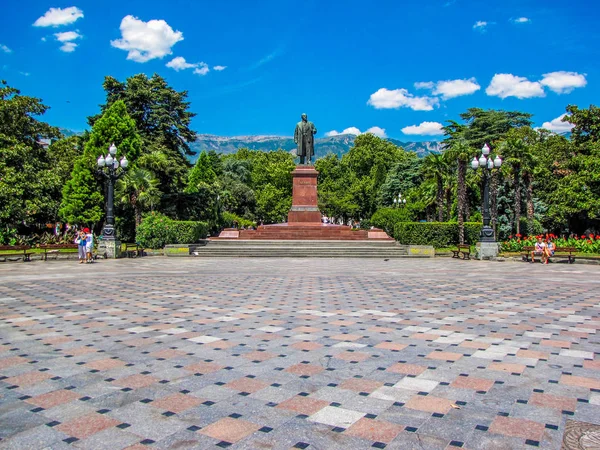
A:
539, 249
89, 245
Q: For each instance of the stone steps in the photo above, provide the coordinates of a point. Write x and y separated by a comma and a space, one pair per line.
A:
292, 249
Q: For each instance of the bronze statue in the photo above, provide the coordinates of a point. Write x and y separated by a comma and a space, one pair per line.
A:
304, 137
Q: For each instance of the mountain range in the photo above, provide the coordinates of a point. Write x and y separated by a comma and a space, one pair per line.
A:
337, 145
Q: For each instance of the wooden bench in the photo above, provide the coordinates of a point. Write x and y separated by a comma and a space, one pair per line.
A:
134, 250
464, 249
565, 252
15, 251
55, 249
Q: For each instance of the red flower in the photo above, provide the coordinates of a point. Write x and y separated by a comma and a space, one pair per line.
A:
510, 237
589, 242
576, 238
518, 235
598, 236
583, 236
591, 236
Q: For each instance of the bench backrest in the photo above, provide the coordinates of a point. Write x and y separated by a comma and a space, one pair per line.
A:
463, 246
58, 246
565, 249
14, 247
528, 248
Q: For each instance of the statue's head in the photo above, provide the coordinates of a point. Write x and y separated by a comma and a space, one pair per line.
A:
304, 117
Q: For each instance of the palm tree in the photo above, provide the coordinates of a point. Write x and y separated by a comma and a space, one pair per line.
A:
459, 150
435, 167
139, 188
519, 158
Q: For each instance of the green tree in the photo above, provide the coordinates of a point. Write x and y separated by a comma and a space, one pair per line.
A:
138, 188
29, 187
202, 172
162, 118
82, 199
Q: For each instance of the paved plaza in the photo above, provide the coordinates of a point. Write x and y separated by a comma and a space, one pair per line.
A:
297, 353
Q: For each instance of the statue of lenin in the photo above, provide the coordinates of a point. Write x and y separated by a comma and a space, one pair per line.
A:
304, 138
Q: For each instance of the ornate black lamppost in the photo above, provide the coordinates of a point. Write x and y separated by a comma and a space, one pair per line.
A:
488, 247
112, 170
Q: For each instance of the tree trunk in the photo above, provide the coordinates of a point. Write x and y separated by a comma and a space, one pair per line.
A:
529, 200
448, 202
440, 199
494, 198
517, 206
462, 199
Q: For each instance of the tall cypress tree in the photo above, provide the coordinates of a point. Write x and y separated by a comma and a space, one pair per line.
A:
82, 201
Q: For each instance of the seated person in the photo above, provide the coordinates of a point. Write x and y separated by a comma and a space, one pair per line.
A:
539, 249
549, 250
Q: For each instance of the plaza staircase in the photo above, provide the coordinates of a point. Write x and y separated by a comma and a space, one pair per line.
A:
289, 248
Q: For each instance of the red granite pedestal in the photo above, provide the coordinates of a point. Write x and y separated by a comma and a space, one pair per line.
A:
305, 209
304, 218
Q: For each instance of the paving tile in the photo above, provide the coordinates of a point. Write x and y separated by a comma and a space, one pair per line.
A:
54, 398
429, 404
374, 430
230, 430
336, 417
526, 429
303, 405
85, 426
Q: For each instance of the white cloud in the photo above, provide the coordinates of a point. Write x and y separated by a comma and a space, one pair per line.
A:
557, 125
202, 69
455, 88
67, 39
397, 98
67, 36
56, 17
480, 25
521, 20
377, 131
424, 85
5, 49
563, 82
146, 40
68, 47
219, 68
351, 130
424, 129
507, 85
179, 63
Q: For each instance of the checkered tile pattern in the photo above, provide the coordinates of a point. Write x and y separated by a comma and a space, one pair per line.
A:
324, 354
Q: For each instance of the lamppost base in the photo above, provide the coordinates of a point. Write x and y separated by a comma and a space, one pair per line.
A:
486, 250
109, 248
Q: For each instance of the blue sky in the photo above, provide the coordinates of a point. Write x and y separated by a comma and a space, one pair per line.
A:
397, 68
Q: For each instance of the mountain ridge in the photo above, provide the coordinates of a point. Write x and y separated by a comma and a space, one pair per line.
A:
338, 145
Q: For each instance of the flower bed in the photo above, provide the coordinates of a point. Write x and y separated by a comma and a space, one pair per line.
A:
583, 243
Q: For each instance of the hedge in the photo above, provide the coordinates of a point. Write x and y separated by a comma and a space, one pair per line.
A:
438, 234
387, 218
157, 230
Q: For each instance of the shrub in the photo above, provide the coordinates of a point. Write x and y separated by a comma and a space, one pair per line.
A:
387, 218
157, 230
187, 232
438, 234
229, 218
